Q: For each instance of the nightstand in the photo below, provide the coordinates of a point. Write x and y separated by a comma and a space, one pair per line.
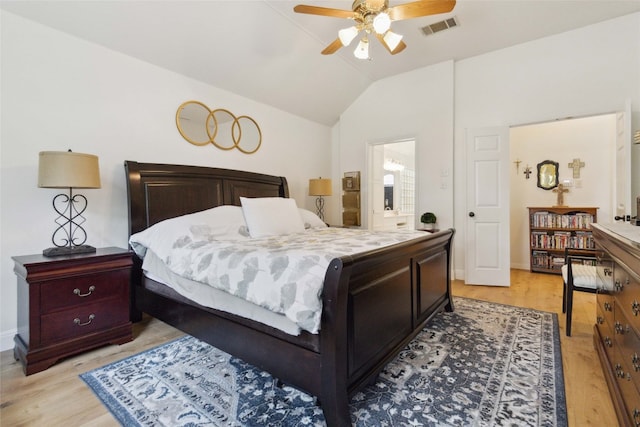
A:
70, 304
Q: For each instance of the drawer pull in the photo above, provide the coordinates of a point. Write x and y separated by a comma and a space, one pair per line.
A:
608, 271
635, 307
618, 285
608, 342
619, 328
608, 306
636, 416
77, 320
600, 320
619, 370
635, 360
91, 289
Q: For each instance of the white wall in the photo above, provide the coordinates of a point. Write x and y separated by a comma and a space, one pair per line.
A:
592, 140
416, 105
60, 92
589, 71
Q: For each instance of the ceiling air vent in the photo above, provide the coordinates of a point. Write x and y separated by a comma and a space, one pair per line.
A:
440, 26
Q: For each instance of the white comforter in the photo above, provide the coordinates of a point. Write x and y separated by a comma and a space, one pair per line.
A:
284, 274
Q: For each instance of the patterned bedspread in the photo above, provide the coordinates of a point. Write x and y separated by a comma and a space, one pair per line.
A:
284, 274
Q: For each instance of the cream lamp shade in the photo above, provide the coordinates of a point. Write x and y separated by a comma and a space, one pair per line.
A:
66, 169
320, 187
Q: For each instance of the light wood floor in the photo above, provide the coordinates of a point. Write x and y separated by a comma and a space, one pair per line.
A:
58, 397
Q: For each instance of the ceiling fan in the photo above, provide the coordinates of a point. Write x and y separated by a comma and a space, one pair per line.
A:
373, 18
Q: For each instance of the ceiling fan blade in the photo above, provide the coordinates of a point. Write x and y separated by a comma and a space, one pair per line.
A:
401, 46
420, 8
333, 47
324, 11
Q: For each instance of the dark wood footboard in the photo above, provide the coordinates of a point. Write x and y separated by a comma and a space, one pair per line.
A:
373, 303
391, 294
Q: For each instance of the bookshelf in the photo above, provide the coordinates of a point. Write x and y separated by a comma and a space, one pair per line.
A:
552, 229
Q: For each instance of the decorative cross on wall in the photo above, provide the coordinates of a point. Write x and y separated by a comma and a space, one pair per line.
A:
560, 190
527, 171
576, 165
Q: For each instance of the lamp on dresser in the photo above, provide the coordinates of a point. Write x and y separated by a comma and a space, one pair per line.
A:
320, 187
68, 170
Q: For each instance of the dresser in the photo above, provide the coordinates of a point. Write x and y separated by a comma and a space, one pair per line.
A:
617, 330
70, 304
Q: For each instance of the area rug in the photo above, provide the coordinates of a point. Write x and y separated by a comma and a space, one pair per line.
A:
485, 364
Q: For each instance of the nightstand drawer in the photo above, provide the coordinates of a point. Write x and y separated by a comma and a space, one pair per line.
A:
86, 289
79, 321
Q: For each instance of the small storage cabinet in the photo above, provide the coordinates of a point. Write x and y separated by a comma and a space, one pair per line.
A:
552, 229
70, 304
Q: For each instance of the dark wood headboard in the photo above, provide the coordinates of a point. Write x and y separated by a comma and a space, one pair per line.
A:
156, 192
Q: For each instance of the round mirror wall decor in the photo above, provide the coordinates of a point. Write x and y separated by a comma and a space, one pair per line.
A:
200, 125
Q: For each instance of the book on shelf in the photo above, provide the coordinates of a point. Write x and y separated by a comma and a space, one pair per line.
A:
576, 220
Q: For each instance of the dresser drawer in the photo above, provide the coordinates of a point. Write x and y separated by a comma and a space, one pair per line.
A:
628, 301
82, 320
605, 327
628, 390
605, 304
628, 344
86, 289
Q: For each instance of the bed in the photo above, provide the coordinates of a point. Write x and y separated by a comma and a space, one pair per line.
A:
373, 302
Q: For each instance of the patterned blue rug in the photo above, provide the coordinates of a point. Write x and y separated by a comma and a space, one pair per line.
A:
483, 365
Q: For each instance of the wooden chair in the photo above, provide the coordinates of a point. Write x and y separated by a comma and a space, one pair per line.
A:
578, 274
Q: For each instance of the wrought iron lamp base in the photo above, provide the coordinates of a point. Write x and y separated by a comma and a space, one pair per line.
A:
68, 250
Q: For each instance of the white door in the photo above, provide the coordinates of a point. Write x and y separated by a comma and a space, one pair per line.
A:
623, 202
487, 250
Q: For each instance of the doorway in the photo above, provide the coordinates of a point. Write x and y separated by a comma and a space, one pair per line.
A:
392, 185
591, 140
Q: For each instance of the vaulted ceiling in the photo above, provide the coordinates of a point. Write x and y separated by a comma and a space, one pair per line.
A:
264, 51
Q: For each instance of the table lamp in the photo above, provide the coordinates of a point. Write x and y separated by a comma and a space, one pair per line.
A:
320, 187
66, 169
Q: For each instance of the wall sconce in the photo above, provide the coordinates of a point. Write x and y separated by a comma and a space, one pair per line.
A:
320, 187
65, 169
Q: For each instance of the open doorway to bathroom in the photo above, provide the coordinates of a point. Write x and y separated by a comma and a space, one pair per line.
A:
392, 185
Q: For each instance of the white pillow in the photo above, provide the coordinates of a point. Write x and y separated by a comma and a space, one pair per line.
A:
311, 220
271, 216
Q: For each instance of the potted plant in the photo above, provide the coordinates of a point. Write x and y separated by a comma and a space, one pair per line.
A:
428, 220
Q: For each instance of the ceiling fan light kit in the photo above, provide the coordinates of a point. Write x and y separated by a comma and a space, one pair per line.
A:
346, 35
375, 17
381, 23
362, 51
392, 39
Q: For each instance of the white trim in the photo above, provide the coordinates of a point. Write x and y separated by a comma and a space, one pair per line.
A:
6, 339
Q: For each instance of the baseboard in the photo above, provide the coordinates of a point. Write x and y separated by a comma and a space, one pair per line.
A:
459, 273
6, 340
516, 266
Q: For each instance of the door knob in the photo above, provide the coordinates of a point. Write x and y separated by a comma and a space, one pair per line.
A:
472, 214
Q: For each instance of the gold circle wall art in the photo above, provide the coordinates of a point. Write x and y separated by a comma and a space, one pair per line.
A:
200, 125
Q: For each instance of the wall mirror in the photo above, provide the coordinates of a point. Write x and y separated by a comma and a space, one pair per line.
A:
548, 174
191, 119
200, 125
